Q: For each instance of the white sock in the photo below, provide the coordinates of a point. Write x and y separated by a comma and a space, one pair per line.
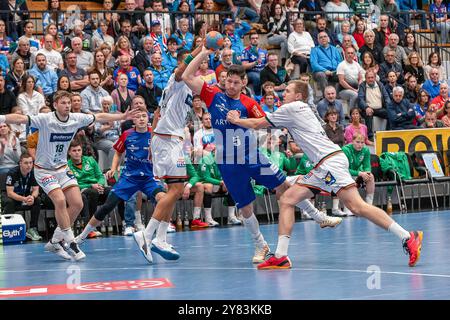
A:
208, 215
57, 235
282, 247
68, 235
252, 226
152, 226
197, 211
231, 212
307, 206
162, 231
137, 217
369, 198
88, 229
396, 229
335, 204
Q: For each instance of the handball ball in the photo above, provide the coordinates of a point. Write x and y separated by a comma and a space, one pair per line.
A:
214, 40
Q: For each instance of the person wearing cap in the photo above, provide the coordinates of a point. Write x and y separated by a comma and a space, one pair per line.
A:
159, 38
235, 30
155, 9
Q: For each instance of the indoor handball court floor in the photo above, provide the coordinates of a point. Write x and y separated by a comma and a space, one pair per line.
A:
354, 261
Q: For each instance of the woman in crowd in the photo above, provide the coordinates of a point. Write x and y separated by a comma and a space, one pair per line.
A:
358, 34
15, 76
122, 96
106, 74
64, 84
55, 15
28, 30
409, 43
58, 44
434, 61
300, 43
332, 128
369, 63
421, 106
110, 61
414, 66
277, 27
101, 35
123, 47
9, 148
29, 99
355, 126
5, 41
411, 89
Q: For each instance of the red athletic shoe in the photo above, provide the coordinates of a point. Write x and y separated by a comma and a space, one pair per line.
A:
92, 234
275, 263
197, 223
413, 246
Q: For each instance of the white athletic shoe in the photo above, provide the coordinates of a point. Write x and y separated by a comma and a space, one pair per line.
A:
165, 250
143, 245
128, 231
338, 213
330, 222
234, 221
261, 253
212, 223
75, 251
58, 248
139, 226
171, 228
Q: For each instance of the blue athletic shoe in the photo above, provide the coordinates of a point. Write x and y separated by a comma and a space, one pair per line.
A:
165, 250
139, 237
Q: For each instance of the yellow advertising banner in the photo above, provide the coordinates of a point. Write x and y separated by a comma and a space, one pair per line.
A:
409, 141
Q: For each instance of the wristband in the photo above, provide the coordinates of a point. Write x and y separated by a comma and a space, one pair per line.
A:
189, 185
188, 59
2, 119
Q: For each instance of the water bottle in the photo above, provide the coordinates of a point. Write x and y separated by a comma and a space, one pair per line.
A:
110, 227
179, 222
186, 220
78, 228
389, 206
324, 208
103, 228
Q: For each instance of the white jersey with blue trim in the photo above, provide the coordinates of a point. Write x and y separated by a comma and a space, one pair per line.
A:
175, 103
55, 136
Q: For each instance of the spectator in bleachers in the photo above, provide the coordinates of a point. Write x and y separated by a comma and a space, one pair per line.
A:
122, 96
390, 64
22, 191
329, 101
358, 34
123, 48
184, 38
159, 38
185, 8
388, 6
360, 8
110, 61
132, 73
269, 103
274, 73
291, 8
400, 55
383, 31
235, 30
345, 31
339, 12
7, 97
355, 126
432, 85
15, 75
77, 76
368, 63
333, 129
15, 12
85, 59
161, 74
136, 17
414, 66
434, 61
35, 45
77, 32
142, 59
170, 55
111, 18
125, 31
244, 8
106, 73
194, 117
254, 59
347, 43
400, 112
421, 106
265, 11
431, 120
226, 61
411, 89
277, 27
206, 74
391, 83
221, 80
10, 150
373, 100
64, 84
52, 56
29, 99
23, 52
437, 104
156, 13
100, 35
322, 27
150, 92
350, 74
325, 59
372, 47
446, 118
310, 19
299, 45
439, 18
55, 15
46, 78
207, 15
57, 44
93, 93
409, 43
246, 89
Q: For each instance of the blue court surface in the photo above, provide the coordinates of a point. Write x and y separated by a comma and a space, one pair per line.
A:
356, 260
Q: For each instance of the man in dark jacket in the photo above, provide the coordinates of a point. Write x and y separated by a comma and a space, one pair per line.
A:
371, 46
373, 100
322, 26
390, 65
400, 112
143, 59
9, 13
150, 92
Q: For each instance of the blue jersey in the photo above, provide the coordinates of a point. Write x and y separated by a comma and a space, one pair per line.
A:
252, 54
133, 77
136, 146
233, 143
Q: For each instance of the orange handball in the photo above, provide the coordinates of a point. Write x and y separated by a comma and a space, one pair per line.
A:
214, 40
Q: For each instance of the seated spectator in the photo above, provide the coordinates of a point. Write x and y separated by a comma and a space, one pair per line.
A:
355, 126
170, 55
195, 115
360, 28
389, 64
132, 73
125, 31
446, 118
433, 84
52, 56
185, 39
142, 60
383, 31
151, 93
136, 17
93, 94
400, 54
45, 76
421, 106
322, 27
160, 73
437, 104
265, 11
410, 44
35, 45
101, 35
431, 121
57, 44
226, 61
5, 40
345, 31
414, 66
110, 61
7, 97
185, 9
9, 148
300, 44
269, 103
64, 84
235, 30
274, 73
16, 13
246, 89
30, 100
77, 32
23, 51
277, 27
22, 192
434, 61
156, 7
254, 59
400, 112
85, 59
122, 96
332, 128
106, 73
325, 59
391, 83
337, 12
372, 47
439, 19
54, 15
15, 76
77, 76
329, 101
206, 74
269, 87
123, 48
368, 63
349, 73
411, 89
221, 80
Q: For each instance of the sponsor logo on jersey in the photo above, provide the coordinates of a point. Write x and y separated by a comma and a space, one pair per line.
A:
61, 137
132, 148
70, 174
307, 176
188, 100
9, 180
256, 111
329, 179
181, 163
48, 180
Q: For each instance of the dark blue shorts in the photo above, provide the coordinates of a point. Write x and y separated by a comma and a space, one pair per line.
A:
237, 178
128, 186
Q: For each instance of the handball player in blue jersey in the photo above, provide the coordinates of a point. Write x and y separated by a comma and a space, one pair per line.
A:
237, 152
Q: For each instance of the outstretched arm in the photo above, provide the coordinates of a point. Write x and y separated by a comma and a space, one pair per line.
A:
251, 123
193, 82
181, 68
107, 117
14, 119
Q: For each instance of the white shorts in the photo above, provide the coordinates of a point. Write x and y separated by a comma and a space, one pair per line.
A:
168, 158
330, 176
292, 179
53, 179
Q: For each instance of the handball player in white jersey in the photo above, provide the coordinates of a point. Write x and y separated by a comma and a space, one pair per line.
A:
330, 174
56, 131
167, 156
